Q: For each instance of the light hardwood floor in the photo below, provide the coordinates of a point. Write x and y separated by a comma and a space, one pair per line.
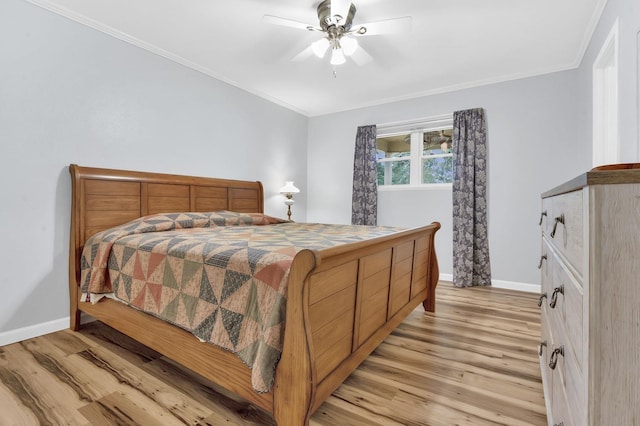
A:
473, 362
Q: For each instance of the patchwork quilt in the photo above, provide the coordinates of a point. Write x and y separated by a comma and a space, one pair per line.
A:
221, 275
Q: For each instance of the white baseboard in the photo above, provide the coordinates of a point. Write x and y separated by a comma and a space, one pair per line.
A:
510, 285
13, 336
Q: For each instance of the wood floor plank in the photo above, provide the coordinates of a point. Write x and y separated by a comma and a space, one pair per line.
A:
120, 409
147, 390
39, 388
17, 406
225, 406
473, 362
337, 411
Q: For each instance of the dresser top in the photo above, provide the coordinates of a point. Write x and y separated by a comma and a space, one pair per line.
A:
603, 175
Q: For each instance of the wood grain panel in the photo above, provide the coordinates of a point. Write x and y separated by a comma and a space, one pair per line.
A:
421, 244
167, 198
243, 200
329, 360
376, 262
100, 202
209, 199
374, 284
167, 205
243, 205
400, 295
210, 192
403, 251
420, 267
326, 283
329, 308
92, 186
108, 219
400, 291
374, 274
402, 266
373, 314
325, 337
106, 204
210, 204
168, 190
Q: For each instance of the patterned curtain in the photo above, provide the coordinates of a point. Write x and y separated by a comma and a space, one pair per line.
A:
364, 199
471, 266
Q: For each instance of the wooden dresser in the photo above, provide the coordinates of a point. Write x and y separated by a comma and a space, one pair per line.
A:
590, 299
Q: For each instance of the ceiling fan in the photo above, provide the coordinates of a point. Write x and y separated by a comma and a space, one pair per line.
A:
336, 22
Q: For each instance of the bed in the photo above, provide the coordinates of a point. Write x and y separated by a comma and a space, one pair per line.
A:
340, 303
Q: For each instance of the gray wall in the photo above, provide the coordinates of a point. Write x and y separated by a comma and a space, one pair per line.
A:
532, 146
70, 94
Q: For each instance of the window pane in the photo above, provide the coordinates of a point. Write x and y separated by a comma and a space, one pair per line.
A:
396, 172
400, 172
437, 142
437, 170
380, 174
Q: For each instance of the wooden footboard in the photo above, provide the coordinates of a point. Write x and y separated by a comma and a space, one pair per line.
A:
341, 302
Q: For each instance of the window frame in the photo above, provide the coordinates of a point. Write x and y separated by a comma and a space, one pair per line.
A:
416, 128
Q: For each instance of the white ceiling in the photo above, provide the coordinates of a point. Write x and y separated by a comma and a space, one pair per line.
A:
453, 44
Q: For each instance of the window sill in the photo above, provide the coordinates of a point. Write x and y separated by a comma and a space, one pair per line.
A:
426, 187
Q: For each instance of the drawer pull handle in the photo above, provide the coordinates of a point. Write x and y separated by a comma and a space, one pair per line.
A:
554, 296
543, 214
559, 424
541, 346
542, 258
557, 220
553, 360
542, 297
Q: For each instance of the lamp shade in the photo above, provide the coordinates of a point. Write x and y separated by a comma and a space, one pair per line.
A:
289, 188
320, 47
349, 45
337, 57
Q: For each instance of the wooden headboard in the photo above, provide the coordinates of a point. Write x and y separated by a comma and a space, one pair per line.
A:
103, 198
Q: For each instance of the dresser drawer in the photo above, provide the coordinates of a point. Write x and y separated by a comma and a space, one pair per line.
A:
567, 385
546, 274
566, 219
546, 218
554, 375
546, 342
568, 307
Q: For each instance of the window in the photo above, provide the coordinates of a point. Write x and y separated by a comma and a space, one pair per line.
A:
416, 157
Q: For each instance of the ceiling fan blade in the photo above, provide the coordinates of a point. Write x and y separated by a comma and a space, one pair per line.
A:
304, 55
276, 20
361, 57
340, 7
388, 26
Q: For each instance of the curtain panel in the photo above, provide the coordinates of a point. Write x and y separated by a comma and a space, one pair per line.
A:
471, 265
364, 198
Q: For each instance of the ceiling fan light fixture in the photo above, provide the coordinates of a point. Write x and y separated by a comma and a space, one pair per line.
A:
320, 47
349, 45
337, 57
